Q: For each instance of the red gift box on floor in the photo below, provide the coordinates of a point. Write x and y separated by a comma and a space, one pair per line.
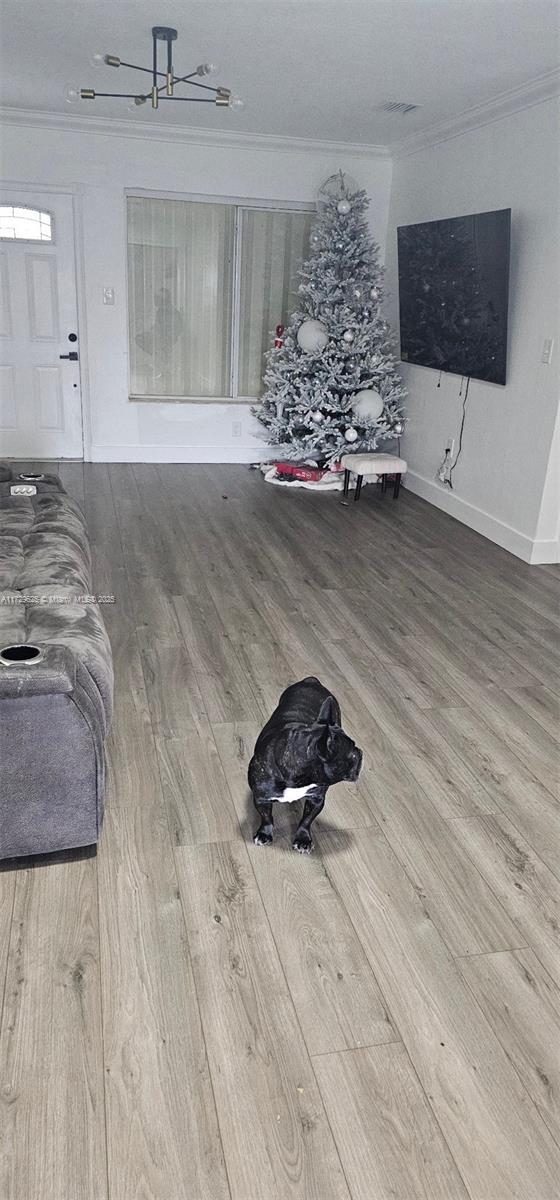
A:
299, 471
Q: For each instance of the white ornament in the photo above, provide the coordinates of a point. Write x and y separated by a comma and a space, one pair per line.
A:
348, 335
344, 207
357, 292
317, 416
351, 434
374, 293
312, 336
368, 403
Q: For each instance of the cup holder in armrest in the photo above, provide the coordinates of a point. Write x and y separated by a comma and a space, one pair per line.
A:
30, 476
21, 652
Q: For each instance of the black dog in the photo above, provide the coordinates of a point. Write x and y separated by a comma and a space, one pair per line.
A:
300, 752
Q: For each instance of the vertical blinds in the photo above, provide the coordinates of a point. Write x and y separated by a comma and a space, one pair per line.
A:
186, 261
273, 245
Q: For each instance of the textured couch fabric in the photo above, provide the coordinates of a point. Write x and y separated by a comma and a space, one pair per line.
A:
54, 711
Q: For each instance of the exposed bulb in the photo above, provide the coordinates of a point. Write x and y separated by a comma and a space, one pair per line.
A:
236, 102
97, 60
206, 69
135, 103
71, 94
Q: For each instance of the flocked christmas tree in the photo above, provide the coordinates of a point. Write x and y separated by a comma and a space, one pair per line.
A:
333, 386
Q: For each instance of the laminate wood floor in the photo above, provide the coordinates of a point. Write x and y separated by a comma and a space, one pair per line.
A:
186, 1016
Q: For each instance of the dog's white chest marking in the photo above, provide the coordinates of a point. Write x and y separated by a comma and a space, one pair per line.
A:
290, 794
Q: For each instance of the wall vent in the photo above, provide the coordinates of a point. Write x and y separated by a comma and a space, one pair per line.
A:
397, 106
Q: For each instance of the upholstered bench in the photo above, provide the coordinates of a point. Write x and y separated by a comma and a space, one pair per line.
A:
56, 678
372, 464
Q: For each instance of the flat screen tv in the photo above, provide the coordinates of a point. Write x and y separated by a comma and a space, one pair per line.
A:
453, 294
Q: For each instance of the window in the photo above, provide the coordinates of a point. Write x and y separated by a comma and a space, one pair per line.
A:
25, 224
207, 284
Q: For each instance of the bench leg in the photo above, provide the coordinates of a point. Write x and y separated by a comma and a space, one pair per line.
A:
346, 483
396, 486
358, 487
383, 483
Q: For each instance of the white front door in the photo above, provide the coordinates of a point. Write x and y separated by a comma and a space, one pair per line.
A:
40, 402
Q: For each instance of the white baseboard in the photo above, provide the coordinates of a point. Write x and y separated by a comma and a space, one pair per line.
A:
213, 453
490, 527
546, 552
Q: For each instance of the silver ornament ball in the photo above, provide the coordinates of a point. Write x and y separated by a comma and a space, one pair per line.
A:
344, 207
368, 404
312, 336
348, 336
351, 434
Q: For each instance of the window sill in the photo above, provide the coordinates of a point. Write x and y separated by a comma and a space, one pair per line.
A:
193, 400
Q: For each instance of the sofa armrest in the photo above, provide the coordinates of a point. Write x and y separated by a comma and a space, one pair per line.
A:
50, 672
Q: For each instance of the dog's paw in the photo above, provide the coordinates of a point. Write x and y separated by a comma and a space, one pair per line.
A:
262, 839
303, 843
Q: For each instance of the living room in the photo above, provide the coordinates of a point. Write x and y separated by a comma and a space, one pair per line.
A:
215, 330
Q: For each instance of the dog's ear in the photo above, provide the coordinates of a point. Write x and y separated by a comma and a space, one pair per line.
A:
327, 714
323, 740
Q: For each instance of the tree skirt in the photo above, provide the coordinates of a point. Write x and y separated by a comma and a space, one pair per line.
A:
332, 481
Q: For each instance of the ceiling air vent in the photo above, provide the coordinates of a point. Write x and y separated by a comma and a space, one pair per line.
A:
397, 106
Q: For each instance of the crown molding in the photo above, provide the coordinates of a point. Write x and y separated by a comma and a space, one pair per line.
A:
179, 134
546, 87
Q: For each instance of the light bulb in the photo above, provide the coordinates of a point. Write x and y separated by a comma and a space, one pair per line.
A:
97, 60
206, 69
236, 102
135, 103
71, 94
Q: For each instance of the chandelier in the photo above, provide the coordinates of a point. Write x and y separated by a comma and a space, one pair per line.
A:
158, 91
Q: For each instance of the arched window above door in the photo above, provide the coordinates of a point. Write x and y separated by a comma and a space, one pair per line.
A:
19, 224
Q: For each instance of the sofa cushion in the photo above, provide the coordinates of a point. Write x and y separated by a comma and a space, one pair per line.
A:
45, 587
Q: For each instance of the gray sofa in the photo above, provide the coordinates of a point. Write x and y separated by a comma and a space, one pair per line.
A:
56, 678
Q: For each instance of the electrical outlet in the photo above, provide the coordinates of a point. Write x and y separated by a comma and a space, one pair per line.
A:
236, 428
443, 472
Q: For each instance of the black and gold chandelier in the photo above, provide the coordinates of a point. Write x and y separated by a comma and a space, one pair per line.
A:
165, 90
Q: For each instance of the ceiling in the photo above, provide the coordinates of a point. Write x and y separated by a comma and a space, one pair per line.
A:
305, 68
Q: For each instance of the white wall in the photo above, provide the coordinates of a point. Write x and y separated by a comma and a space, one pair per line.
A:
507, 458
98, 167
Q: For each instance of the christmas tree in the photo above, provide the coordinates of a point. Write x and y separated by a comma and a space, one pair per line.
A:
333, 387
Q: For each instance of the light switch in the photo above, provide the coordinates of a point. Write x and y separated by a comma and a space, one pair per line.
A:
548, 345
108, 295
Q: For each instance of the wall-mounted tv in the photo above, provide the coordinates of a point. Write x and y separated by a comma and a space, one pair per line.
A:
453, 294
